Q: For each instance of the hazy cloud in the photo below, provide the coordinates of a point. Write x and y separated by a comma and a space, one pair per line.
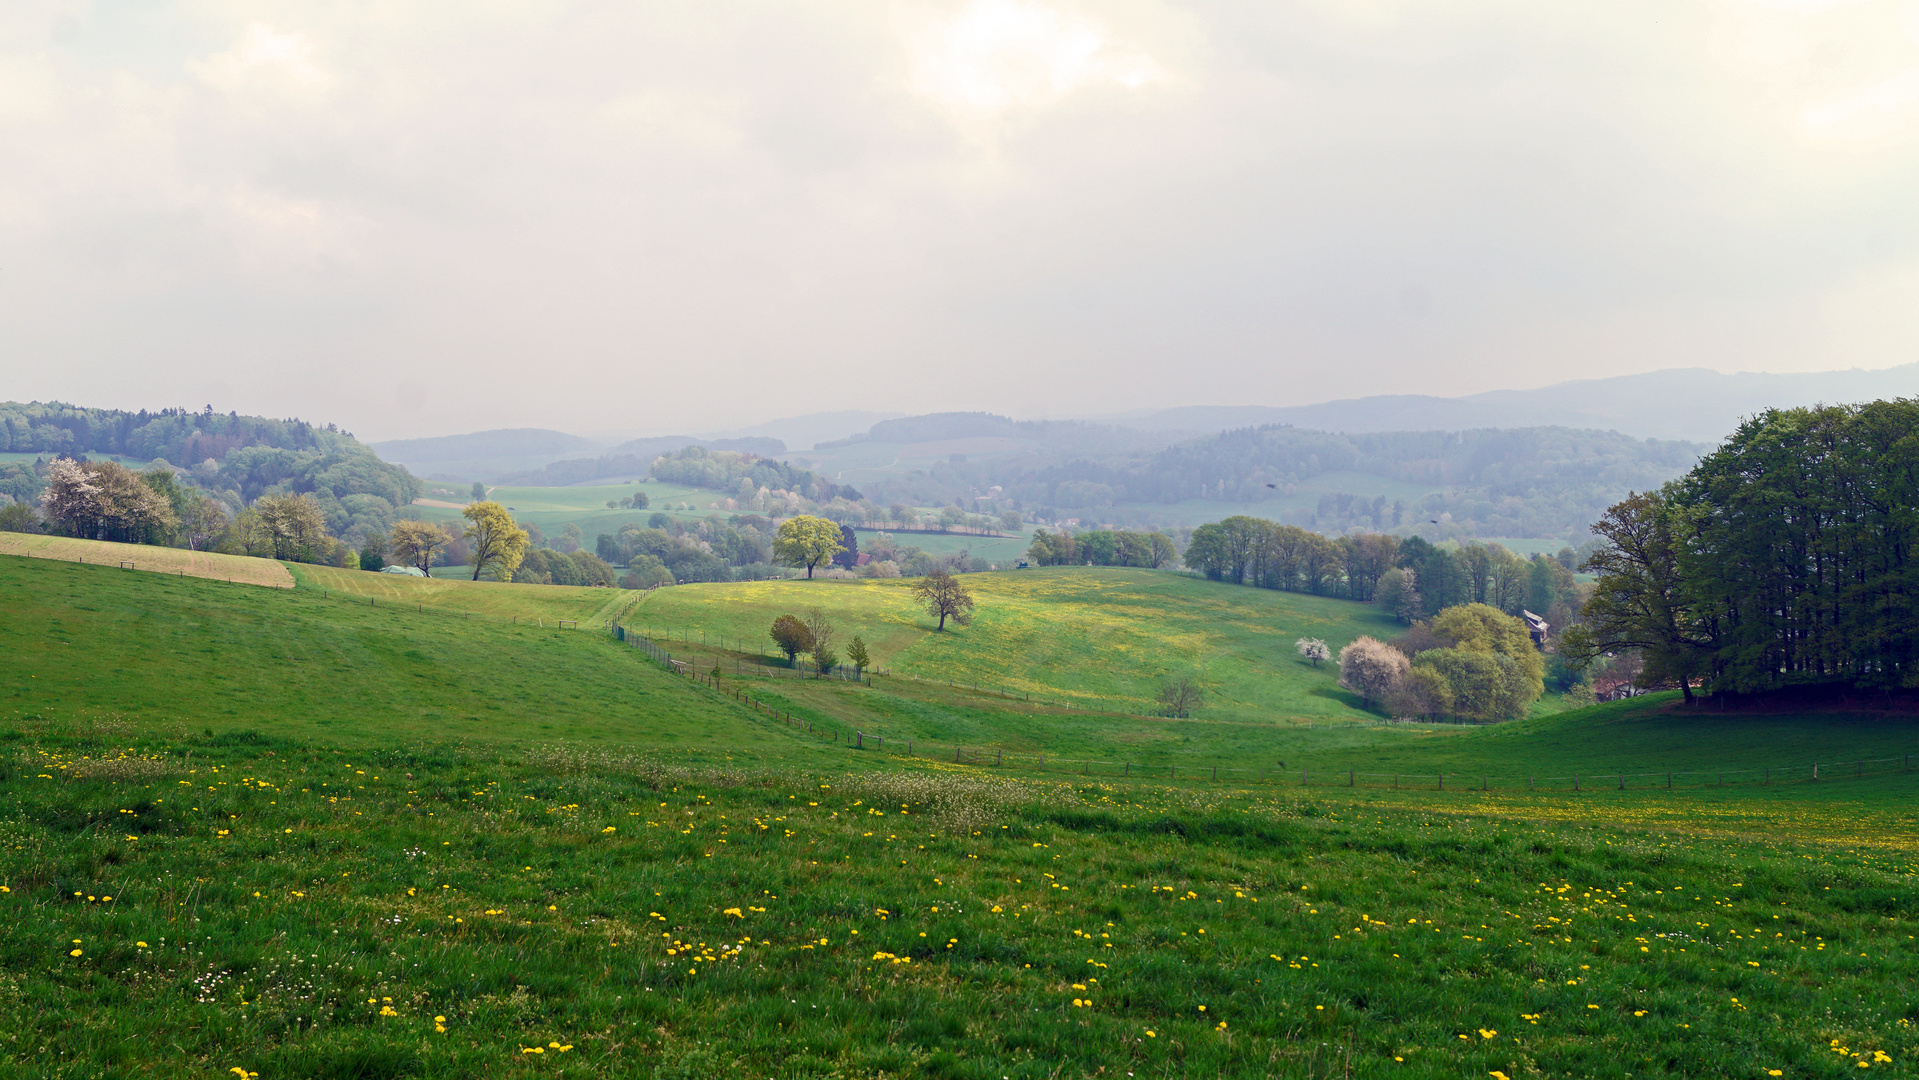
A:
444, 216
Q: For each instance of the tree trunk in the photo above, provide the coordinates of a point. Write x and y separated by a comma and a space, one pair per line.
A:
1685, 687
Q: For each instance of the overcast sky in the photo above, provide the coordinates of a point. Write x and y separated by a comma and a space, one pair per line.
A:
443, 215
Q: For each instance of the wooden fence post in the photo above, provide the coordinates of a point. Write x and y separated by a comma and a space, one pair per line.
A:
1442, 781
1575, 783
1622, 781
1351, 776
1815, 770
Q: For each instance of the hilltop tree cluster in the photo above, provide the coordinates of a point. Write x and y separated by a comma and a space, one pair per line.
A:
1473, 662
1784, 559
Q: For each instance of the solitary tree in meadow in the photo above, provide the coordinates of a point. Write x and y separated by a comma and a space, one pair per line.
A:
806, 541
945, 598
1312, 649
497, 540
856, 652
1180, 696
479, 491
792, 636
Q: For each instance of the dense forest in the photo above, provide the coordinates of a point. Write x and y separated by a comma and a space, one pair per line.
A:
232, 458
1785, 558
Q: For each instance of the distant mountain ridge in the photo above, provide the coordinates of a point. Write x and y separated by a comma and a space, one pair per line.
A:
1689, 404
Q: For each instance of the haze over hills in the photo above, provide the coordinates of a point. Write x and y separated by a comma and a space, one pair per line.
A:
1693, 404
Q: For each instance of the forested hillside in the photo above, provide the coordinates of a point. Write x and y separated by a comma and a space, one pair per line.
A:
1538, 481
233, 458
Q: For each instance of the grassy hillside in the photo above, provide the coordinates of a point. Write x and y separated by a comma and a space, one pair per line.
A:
301, 834
495, 600
187, 654
149, 558
1099, 638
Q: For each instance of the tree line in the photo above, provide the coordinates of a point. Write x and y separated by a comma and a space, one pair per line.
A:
1785, 558
1410, 577
727, 470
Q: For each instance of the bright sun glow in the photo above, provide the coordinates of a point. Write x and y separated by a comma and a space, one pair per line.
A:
263, 52
998, 54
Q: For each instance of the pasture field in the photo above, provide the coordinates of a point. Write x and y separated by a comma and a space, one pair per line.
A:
171, 651
192, 905
995, 549
460, 594
149, 558
1095, 638
286, 832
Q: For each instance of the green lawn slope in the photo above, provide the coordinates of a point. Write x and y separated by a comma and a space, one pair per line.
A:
1103, 639
181, 653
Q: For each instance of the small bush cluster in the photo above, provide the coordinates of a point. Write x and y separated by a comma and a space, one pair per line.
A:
1472, 662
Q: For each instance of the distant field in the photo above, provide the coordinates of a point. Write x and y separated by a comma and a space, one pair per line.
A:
160, 560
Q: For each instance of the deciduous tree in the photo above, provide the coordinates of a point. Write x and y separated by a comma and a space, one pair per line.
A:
806, 541
296, 524
1181, 696
1312, 649
792, 636
821, 629
414, 543
1640, 602
856, 652
497, 541
945, 598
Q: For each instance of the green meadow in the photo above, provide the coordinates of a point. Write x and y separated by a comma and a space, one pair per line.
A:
1096, 638
384, 827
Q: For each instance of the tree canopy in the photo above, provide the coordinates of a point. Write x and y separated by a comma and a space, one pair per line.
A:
1784, 558
497, 540
945, 598
806, 541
